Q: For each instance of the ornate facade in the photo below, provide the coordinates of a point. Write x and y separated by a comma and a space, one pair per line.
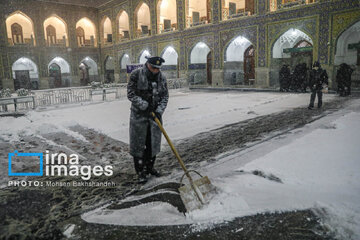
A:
221, 43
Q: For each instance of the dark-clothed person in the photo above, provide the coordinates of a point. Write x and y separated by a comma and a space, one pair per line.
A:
317, 78
299, 78
147, 90
343, 79
284, 78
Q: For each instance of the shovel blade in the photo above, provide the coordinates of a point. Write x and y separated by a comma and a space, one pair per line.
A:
189, 197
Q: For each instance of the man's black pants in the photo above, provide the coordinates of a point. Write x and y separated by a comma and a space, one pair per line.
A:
312, 98
147, 161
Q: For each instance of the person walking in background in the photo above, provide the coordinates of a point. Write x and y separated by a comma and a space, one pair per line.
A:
317, 79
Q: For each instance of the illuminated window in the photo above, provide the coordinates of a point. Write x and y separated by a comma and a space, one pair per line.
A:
283, 4
167, 15
55, 31
85, 32
106, 26
142, 16
198, 12
124, 32
20, 29
237, 8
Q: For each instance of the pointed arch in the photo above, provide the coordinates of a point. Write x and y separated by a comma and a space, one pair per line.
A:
92, 65
125, 60
145, 53
64, 65
344, 54
235, 49
27, 26
106, 30
109, 68
170, 56
199, 53
59, 73
166, 15
288, 40
61, 31
198, 12
25, 73
89, 31
142, 20
123, 25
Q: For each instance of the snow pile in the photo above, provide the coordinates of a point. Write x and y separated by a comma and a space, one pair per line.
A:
318, 166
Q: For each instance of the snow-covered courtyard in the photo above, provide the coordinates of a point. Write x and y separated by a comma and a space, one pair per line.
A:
187, 114
315, 166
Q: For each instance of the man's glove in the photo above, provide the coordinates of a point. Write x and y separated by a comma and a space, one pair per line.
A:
143, 105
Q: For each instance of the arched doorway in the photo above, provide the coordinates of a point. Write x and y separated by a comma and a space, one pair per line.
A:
348, 51
200, 65
25, 74
301, 53
61, 78
84, 74
55, 75
88, 71
171, 66
124, 61
109, 70
249, 66
239, 62
294, 47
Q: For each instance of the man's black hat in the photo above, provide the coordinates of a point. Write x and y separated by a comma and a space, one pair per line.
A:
155, 61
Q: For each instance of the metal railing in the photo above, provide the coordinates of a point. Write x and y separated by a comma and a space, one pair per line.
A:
16, 103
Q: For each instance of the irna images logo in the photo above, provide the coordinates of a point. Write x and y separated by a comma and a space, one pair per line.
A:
17, 157
56, 164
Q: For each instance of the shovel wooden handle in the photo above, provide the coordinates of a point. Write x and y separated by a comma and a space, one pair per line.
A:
177, 156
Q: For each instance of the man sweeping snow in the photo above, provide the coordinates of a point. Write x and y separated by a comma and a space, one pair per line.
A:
147, 90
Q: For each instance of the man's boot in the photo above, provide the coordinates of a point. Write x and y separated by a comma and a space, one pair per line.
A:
139, 168
142, 177
150, 167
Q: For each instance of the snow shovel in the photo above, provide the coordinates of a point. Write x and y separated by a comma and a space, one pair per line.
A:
198, 193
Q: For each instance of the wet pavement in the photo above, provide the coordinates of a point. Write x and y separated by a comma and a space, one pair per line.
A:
44, 212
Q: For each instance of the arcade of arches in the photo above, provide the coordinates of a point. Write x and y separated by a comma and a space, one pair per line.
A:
226, 43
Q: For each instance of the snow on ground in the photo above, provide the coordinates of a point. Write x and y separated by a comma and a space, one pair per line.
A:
317, 164
188, 113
